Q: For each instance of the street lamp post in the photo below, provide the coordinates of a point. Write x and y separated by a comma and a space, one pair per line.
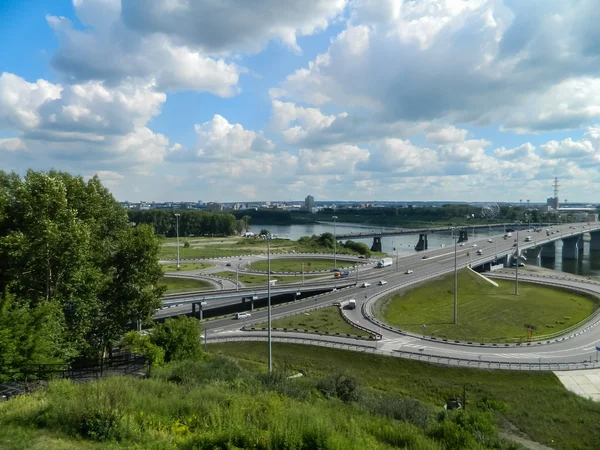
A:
237, 279
269, 300
334, 243
517, 268
455, 280
177, 228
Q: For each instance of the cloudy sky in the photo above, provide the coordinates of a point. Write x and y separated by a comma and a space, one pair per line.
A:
223, 100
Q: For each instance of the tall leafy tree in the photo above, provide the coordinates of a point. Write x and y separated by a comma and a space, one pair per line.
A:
66, 245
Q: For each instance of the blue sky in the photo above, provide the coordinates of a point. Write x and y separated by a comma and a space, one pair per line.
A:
342, 99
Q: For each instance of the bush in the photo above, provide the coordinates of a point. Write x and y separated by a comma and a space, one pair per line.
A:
136, 343
186, 244
340, 386
399, 408
179, 338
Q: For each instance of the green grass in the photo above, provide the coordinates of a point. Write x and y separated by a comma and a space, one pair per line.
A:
485, 313
295, 265
179, 285
184, 267
324, 319
212, 251
537, 403
253, 280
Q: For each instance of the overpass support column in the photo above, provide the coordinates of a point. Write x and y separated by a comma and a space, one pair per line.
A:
200, 315
422, 244
533, 254
376, 247
569, 248
595, 241
548, 251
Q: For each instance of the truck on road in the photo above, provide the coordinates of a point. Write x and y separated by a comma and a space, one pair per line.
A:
385, 262
352, 304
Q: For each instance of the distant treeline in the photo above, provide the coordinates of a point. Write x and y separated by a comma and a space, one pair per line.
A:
191, 223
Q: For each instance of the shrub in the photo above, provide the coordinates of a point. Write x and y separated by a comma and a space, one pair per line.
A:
136, 343
179, 338
493, 405
399, 408
186, 244
340, 386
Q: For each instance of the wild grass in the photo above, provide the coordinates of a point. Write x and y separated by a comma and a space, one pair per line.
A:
186, 267
324, 319
535, 403
178, 285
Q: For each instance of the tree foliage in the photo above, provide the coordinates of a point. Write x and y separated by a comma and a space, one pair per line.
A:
179, 338
68, 253
191, 223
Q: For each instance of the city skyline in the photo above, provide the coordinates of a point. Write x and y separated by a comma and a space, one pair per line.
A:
426, 100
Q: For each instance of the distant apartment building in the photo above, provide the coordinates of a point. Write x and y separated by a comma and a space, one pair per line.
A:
309, 202
552, 202
213, 206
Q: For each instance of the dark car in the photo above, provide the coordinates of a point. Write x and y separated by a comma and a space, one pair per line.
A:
228, 265
425, 257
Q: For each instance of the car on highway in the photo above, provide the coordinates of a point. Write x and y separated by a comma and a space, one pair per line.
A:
228, 265
490, 240
366, 284
515, 244
480, 252
382, 282
361, 256
462, 245
408, 271
425, 257
474, 245
243, 316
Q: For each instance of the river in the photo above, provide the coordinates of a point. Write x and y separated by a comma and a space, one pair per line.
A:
587, 264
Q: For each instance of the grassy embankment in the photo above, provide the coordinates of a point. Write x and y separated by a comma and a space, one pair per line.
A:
215, 403
179, 285
295, 265
324, 319
235, 246
186, 267
486, 313
535, 403
254, 280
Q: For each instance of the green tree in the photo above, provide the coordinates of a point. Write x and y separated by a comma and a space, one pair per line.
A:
179, 338
264, 232
67, 246
136, 343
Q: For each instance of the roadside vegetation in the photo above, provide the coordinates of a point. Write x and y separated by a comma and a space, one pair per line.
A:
195, 400
179, 285
295, 265
185, 267
535, 403
485, 313
248, 279
324, 319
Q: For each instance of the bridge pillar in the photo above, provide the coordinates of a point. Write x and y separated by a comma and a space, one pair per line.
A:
570, 247
595, 241
548, 251
422, 244
376, 247
534, 253
199, 310
463, 236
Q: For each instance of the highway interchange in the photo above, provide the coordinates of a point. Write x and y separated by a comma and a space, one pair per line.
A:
579, 348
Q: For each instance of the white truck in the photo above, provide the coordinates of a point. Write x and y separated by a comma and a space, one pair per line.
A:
352, 304
385, 262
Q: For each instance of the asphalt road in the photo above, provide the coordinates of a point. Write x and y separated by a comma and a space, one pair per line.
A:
576, 349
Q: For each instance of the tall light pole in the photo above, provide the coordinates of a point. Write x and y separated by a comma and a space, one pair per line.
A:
517, 270
269, 300
455, 279
334, 243
177, 228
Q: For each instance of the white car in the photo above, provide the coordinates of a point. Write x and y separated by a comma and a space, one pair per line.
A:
490, 240
243, 315
408, 272
474, 245
462, 245
382, 282
366, 285
480, 252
